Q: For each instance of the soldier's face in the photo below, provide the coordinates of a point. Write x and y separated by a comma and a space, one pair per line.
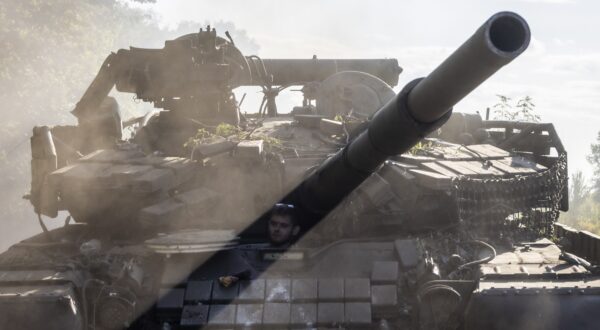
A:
281, 229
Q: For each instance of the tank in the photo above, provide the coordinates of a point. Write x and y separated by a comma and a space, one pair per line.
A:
358, 209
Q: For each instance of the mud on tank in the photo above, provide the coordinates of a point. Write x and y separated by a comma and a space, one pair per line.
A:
404, 222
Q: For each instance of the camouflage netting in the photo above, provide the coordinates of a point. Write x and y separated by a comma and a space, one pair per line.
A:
525, 203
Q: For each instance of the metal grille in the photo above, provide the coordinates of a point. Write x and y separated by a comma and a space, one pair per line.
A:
527, 203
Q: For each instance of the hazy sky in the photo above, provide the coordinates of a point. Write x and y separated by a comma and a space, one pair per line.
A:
560, 71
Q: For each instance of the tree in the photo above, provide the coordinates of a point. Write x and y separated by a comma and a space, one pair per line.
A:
526, 108
523, 110
594, 159
584, 200
578, 190
51, 51
503, 109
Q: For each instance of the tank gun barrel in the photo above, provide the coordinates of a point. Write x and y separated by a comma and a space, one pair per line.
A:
420, 108
503, 37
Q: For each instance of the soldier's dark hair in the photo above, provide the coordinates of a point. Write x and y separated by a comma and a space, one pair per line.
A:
287, 210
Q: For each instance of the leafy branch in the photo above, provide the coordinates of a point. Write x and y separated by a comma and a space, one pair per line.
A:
522, 110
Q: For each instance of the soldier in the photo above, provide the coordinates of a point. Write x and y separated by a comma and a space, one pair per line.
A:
283, 226
282, 230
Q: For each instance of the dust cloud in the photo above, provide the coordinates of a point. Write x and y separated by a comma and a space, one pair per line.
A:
51, 52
